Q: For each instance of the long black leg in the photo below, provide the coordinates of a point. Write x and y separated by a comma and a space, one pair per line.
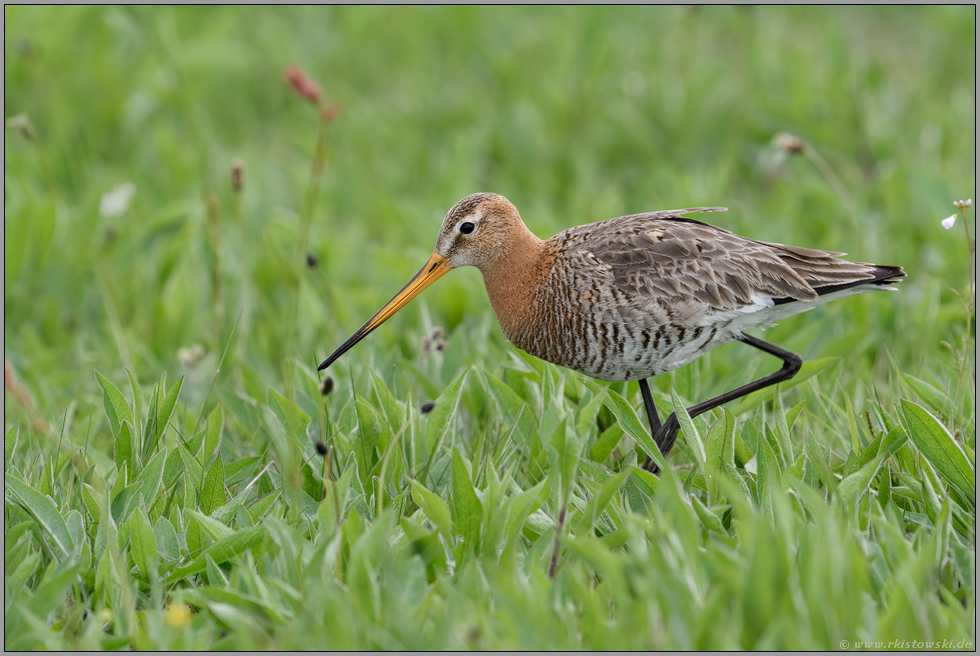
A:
651, 409
791, 365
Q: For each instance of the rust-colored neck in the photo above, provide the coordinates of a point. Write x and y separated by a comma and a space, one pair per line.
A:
512, 280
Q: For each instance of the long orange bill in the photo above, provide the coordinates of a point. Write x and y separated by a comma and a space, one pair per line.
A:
435, 268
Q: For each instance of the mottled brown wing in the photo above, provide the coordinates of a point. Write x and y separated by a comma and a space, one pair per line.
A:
667, 258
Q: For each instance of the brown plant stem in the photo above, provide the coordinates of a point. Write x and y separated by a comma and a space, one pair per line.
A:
554, 556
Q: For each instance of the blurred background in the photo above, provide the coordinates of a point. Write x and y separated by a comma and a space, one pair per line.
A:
128, 244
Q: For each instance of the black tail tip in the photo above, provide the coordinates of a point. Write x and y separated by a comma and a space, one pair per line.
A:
885, 274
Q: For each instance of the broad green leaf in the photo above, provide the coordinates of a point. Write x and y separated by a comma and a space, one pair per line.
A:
123, 448
935, 397
435, 508
598, 503
514, 410
719, 446
815, 456
710, 520
125, 502
93, 501
138, 403
192, 468
43, 511
940, 449
524, 504
151, 477
239, 470
150, 426
607, 441
215, 529
294, 418
15, 581
164, 411
166, 539
51, 592
213, 493
732, 474
116, 408
76, 527
850, 489
195, 537
228, 598
445, 407
892, 441
769, 473
221, 551
9, 444
690, 431
645, 480
370, 431
627, 418
144, 544
390, 409
796, 469
215, 577
794, 413
334, 503
216, 422
852, 421
469, 510
261, 506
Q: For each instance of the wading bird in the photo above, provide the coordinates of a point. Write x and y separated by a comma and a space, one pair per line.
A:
636, 296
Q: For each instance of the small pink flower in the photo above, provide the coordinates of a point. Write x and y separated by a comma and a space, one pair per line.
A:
963, 204
949, 221
301, 83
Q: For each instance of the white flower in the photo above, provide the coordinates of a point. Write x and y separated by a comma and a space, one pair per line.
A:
949, 221
114, 204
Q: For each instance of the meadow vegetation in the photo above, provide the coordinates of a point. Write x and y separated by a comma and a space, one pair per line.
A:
163, 483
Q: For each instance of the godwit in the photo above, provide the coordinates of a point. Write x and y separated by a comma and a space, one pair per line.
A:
636, 296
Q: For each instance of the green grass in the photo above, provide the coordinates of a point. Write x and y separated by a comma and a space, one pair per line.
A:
159, 502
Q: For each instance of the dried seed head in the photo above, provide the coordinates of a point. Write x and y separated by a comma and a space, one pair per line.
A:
321, 448
789, 144
437, 332
190, 356
326, 386
214, 208
312, 260
115, 203
237, 174
302, 84
22, 124
427, 407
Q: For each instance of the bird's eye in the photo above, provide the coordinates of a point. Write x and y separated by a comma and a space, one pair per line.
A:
466, 227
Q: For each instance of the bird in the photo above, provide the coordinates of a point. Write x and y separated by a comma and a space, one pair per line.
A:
636, 296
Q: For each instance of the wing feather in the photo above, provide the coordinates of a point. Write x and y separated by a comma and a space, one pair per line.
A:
677, 268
